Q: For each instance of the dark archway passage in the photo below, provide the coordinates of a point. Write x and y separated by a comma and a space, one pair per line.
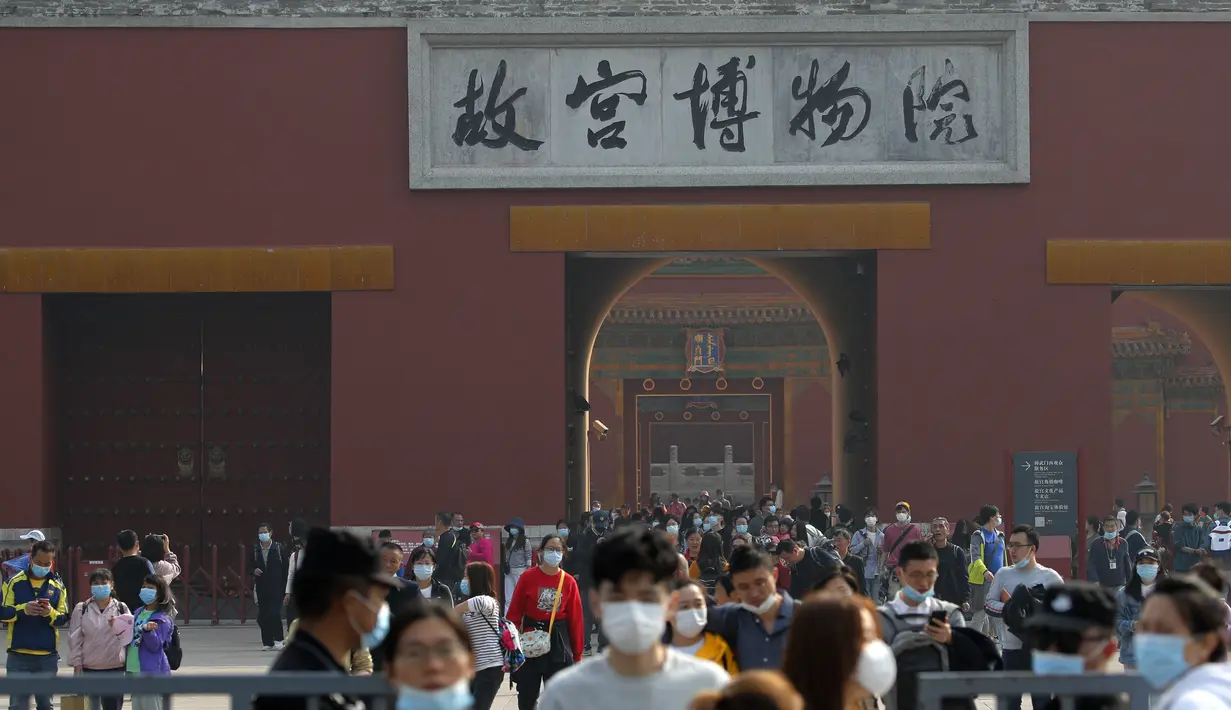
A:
840, 290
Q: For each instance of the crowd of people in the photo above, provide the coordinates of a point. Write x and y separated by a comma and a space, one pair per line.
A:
691, 604
704, 604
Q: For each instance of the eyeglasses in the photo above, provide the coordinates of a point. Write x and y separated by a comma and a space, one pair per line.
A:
1018, 545
420, 653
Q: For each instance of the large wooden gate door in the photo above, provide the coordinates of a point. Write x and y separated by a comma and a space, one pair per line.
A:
125, 399
266, 432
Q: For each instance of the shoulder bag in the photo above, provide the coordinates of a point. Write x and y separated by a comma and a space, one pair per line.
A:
536, 642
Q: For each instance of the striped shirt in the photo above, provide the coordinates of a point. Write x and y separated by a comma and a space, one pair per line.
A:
482, 625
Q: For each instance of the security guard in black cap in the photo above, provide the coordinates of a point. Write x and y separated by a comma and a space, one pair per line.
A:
340, 590
1072, 633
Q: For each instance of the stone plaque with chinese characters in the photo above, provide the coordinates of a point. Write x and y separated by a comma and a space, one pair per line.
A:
704, 101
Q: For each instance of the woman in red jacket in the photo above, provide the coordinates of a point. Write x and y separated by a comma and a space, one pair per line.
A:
531, 608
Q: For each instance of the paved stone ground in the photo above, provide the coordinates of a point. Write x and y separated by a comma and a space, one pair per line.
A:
236, 650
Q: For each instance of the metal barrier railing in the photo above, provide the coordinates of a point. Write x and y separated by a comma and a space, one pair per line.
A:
315, 687
934, 688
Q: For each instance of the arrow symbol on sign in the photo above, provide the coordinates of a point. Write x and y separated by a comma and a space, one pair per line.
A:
1026, 466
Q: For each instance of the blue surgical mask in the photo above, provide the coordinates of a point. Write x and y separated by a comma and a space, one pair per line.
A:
917, 596
465, 587
100, 591
1051, 663
424, 572
457, 528
513, 532
741, 529
773, 509
263, 537
148, 595
562, 532
553, 557
1110, 536
1160, 658
707, 527
1147, 572
1189, 518
1022, 563
454, 697
429, 542
696, 522
712, 520
377, 635
40, 571
673, 529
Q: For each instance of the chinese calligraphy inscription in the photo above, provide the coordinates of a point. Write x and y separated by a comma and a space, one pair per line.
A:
944, 97
674, 109
603, 106
837, 105
473, 122
726, 100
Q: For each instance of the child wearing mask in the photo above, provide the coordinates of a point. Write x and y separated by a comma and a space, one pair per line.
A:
687, 634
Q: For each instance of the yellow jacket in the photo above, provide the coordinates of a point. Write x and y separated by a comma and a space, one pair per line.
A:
31, 634
716, 649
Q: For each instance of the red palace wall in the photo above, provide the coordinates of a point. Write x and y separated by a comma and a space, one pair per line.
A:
298, 137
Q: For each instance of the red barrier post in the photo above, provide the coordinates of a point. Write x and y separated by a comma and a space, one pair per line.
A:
186, 575
213, 554
243, 584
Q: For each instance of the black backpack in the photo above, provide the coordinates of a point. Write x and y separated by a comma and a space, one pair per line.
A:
1022, 604
175, 653
915, 653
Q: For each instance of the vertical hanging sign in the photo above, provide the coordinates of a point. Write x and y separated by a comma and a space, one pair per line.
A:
705, 350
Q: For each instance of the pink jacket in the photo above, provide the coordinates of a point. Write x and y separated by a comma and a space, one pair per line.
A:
97, 637
481, 551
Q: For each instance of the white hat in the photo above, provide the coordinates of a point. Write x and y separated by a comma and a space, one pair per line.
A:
35, 535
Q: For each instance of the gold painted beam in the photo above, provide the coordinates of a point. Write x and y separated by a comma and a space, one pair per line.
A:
676, 228
244, 269
1139, 263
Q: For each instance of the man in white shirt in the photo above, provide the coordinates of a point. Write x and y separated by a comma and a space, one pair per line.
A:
633, 574
1023, 546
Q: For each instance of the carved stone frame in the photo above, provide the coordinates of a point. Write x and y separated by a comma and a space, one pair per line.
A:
1010, 31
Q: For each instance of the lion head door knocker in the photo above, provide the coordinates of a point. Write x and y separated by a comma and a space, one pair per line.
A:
186, 461
217, 462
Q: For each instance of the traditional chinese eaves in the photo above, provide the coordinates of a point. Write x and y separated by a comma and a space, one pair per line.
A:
1148, 341
1196, 377
710, 316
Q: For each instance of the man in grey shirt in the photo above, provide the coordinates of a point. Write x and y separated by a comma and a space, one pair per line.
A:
1025, 571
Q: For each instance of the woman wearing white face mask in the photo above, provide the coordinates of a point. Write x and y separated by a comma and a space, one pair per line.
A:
1130, 599
431, 662
835, 657
687, 634
423, 565
547, 601
1181, 646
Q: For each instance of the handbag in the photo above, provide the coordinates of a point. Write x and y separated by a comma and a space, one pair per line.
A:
536, 642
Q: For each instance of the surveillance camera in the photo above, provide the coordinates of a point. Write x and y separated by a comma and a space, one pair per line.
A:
600, 429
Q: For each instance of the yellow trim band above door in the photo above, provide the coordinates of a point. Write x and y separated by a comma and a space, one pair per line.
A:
1139, 263
243, 269
727, 228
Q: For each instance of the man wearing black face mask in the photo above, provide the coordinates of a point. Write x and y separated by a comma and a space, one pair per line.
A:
1074, 634
600, 523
